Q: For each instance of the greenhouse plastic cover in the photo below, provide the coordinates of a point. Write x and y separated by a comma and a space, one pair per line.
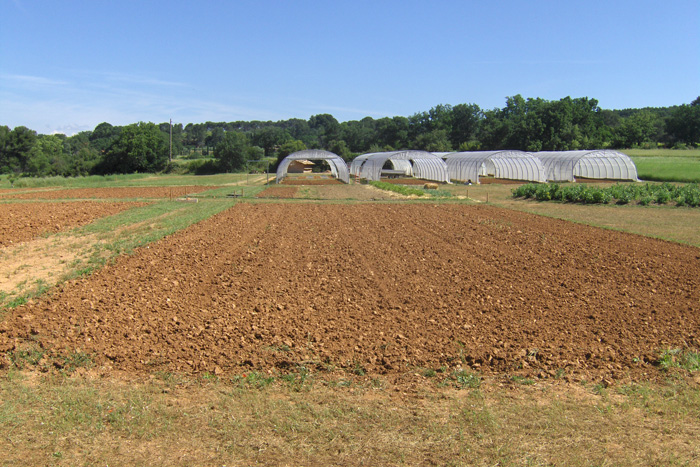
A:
511, 165
425, 165
598, 164
339, 169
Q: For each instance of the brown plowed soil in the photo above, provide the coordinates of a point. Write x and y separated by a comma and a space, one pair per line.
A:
22, 222
277, 192
157, 192
406, 181
381, 289
311, 181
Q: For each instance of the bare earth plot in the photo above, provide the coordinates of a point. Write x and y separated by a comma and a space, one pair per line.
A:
329, 192
380, 288
23, 221
106, 193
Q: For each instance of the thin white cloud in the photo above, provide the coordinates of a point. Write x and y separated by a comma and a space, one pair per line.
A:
35, 80
136, 79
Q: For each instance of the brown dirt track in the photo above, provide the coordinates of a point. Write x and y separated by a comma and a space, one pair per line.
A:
22, 222
379, 287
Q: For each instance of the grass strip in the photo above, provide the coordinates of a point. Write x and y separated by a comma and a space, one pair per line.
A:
401, 189
55, 419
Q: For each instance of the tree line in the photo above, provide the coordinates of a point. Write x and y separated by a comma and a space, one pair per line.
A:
531, 124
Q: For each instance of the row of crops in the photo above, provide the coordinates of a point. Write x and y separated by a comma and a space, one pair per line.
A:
637, 193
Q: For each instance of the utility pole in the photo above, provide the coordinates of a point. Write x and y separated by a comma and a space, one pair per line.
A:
170, 157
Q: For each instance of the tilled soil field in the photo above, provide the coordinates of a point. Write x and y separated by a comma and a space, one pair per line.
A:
311, 181
378, 289
279, 192
22, 221
156, 192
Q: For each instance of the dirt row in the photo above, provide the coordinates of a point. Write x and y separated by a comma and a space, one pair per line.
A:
311, 181
378, 289
330, 192
279, 192
22, 221
158, 192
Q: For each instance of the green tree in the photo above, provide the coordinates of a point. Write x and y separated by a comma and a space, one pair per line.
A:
434, 141
231, 153
269, 138
392, 132
684, 124
341, 149
15, 147
195, 135
639, 128
103, 136
326, 127
140, 147
216, 136
466, 119
288, 148
47, 157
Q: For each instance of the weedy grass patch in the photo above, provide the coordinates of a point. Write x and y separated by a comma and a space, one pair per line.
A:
400, 189
256, 418
679, 358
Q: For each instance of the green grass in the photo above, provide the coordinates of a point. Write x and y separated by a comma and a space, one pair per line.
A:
401, 189
154, 221
668, 169
677, 358
666, 165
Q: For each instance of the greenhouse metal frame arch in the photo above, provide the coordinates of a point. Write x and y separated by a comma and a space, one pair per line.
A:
599, 164
421, 164
512, 165
339, 169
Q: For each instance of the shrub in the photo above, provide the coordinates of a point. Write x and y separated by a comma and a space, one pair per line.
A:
663, 197
542, 193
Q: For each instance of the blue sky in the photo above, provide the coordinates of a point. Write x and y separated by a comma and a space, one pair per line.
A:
66, 66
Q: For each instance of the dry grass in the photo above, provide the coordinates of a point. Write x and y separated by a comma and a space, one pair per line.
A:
60, 420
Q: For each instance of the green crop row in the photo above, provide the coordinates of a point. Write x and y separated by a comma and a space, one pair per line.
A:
638, 193
401, 189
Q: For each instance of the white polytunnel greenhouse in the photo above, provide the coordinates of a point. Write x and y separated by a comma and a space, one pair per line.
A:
599, 164
419, 164
510, 165
339, 169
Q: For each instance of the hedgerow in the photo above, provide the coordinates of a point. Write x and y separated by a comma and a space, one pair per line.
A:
639, 193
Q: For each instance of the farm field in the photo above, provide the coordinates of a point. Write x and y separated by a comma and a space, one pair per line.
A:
349, 333
105, 193
22, 221
265, 287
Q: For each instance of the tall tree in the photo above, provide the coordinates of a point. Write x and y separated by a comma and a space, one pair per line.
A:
684, 124
269, 138
15, 147
140, 147
466, 120
232, 151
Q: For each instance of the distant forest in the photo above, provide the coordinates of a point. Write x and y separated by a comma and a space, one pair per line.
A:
531, 124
